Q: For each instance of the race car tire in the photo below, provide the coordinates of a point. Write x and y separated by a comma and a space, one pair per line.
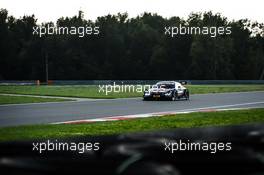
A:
145, 99
173, 98
176, 96
187, 95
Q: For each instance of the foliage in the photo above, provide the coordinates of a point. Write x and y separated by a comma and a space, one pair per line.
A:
131, 48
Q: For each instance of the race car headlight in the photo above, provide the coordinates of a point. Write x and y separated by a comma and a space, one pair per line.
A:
147, 93
168, 93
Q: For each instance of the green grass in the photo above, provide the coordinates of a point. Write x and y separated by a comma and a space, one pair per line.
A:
6, 99
85, 91
88, 91
134, 125
204, 89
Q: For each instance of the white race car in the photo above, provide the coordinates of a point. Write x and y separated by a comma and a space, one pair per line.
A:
167, 90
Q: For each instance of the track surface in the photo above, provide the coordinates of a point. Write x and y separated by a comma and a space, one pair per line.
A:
12, 115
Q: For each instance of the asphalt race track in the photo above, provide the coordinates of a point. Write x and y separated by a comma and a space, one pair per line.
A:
43, 113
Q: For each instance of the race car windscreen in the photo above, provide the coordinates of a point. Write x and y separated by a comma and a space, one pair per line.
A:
166, 86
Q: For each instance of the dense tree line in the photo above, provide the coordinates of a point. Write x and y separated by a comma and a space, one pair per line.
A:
131, 48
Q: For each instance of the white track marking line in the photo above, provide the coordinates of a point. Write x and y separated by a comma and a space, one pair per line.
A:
39, 96
41, 103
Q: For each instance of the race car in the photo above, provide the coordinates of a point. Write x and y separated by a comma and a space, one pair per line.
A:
167, 90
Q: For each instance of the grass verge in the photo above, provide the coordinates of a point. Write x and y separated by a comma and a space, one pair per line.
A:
199, 119
7, 99
92, 91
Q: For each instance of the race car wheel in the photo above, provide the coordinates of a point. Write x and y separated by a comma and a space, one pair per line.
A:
145, 99
174, 97
187, 95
